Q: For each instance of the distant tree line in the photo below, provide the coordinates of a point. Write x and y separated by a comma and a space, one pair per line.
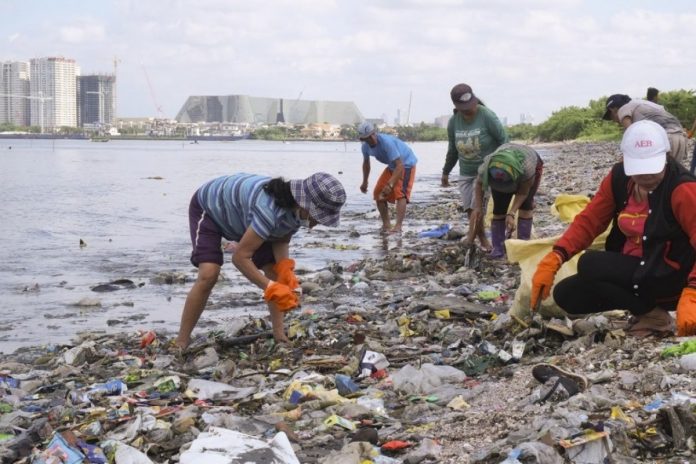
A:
7, 127
585, 123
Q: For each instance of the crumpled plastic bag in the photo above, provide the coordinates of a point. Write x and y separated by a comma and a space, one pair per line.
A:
427, 379
207, 389
528, 253
223, 446
125, 454
351, 453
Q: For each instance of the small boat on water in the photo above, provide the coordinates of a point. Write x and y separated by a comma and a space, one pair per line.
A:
100, 139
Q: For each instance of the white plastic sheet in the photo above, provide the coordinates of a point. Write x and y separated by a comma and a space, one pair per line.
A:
427, 379
126, 454
223, 446
207, 389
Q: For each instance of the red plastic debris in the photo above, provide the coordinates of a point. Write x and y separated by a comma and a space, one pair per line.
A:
396, 445
148, 337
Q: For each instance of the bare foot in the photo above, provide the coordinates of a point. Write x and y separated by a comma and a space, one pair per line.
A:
281, 337
384, 229
395, 230
486, 245
180, 344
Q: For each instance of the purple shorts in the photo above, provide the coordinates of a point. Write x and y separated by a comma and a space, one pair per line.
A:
207, 240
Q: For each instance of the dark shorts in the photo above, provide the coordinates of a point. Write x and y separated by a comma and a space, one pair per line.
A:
207, 240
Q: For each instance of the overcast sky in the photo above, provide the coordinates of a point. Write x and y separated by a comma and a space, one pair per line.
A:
520, 56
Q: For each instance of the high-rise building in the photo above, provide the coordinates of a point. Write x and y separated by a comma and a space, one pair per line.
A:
53, 88
96, 94
14, 93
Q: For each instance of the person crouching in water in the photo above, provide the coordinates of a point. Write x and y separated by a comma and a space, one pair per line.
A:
262, 214
648, 266
513, 173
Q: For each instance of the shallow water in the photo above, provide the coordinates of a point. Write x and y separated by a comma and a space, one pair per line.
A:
128, 201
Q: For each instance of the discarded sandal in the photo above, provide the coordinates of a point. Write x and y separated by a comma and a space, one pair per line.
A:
543, 372
556, 389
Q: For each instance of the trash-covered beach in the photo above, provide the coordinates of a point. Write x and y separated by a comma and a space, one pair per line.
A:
407, 358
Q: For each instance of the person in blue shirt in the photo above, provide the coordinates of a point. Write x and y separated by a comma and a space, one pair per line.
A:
396, 181
261, 214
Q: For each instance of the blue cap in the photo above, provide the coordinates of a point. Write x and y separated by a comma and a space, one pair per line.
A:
499, 176
365, 129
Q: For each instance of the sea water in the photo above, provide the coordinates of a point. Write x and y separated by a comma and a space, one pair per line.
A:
127, 203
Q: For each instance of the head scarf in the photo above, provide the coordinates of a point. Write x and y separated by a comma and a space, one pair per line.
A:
509, 160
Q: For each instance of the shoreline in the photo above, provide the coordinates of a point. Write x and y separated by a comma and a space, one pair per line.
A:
394, 306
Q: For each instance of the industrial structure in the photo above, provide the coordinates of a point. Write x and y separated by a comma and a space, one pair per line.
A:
243, 109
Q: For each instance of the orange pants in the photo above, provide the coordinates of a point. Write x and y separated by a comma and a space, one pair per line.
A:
402, 188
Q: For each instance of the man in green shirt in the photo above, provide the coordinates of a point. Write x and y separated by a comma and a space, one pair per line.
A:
474, 132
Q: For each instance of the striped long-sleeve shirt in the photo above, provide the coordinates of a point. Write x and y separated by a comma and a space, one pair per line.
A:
237, 202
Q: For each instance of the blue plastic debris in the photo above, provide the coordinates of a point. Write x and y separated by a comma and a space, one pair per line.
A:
438, 232
345, 385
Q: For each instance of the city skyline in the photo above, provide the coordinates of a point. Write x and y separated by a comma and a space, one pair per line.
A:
390, 58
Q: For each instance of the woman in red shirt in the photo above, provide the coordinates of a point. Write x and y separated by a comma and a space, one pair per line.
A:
648, 267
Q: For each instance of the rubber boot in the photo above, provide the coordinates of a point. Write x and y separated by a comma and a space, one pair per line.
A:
524, 228
498, 238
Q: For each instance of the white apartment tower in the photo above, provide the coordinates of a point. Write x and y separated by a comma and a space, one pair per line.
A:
14, 93
53, 92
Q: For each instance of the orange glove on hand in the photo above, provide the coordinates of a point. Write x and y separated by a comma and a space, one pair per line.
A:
686, 313
689, 134
281, 295
285, 270
544, 275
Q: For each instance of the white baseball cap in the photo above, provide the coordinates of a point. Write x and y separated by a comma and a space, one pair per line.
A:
644, 147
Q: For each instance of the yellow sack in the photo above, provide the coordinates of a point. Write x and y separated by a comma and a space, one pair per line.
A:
566, 207
528, 253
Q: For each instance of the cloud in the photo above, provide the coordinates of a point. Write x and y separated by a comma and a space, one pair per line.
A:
533, 58
13, 37
85, 31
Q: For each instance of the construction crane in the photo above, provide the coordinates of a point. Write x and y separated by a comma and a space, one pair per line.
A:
42, 101
294, 111
158, 107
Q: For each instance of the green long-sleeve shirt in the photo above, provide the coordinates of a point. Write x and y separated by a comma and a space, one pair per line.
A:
470, 142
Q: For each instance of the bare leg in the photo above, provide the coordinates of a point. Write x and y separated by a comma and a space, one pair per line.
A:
383, 209
400, 214
277, 322
277, 316
196, 300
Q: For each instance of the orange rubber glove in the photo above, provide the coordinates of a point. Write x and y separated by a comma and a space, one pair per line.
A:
281, 295
284, 269
690, 133
543, 277
686, 313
